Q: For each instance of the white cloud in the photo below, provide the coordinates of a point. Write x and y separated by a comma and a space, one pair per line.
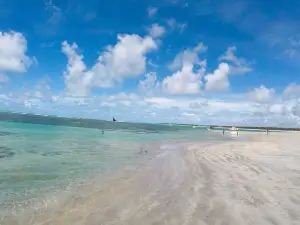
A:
3, 78
183, 82
121, 98
291, 91
150, 84
261, 94
13, 47
295, 110
182, 27
280, 109
43, 89
126, 59
162, 102
239, 65
195, 105
151, 63
133, 107
218, 80
172, 23
188, 114
186, 80
198, 104
188, 55
156, 30
152, 11
77, 81
56, 14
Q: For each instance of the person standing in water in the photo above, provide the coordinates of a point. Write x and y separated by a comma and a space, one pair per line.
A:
223, 132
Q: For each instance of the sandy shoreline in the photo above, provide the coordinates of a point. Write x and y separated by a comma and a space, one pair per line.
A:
236, 182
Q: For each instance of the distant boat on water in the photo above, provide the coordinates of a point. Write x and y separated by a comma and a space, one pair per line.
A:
114, 120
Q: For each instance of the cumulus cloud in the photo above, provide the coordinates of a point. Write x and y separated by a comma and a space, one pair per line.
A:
13, 47
295, 110
126, 59
156, 30
188, 55
152, 11
187, 80
183, 82
150, 84
280, 109
292, 91
218, 80
239, 65
261, 94
77, 80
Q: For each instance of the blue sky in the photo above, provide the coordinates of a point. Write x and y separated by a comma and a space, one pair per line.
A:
205, 62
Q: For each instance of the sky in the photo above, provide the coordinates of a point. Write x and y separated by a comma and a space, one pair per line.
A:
225, 62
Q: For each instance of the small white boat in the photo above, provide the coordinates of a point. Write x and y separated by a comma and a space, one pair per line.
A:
233, 129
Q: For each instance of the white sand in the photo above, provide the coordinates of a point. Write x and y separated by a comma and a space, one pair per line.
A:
234, 183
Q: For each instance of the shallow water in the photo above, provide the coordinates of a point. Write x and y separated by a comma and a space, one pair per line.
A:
206, 183
43, 155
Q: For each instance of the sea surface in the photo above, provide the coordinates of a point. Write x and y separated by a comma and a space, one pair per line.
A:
40, 155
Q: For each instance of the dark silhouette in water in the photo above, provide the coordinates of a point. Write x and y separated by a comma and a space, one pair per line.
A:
114, 120
142, 151
102, 132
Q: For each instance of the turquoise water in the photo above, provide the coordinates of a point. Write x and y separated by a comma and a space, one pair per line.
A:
41, 155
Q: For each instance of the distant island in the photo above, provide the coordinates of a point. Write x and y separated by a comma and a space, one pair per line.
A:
240, 127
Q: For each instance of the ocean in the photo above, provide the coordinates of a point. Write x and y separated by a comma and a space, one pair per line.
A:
43, 156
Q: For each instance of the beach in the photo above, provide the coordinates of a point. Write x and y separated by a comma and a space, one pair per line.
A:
236, 182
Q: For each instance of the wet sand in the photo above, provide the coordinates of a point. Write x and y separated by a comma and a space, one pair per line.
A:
229, 183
